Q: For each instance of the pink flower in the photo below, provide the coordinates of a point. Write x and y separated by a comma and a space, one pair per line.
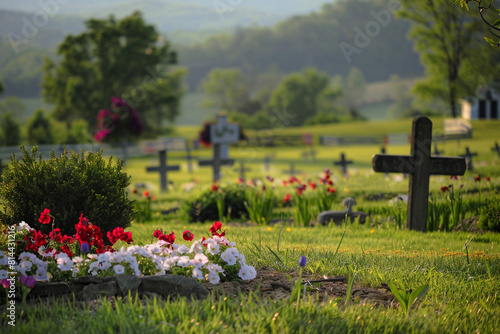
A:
29, 281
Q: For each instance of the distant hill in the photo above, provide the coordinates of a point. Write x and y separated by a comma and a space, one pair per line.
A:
187, 15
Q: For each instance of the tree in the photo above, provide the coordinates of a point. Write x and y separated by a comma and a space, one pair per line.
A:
297, 96
444, 35
355, 89
491, 21
226, 89
39, 129
11, 134
111, 58
12, 104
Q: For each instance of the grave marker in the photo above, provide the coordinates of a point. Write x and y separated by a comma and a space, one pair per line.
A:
221, 135
163, 169
189, 159
242, 170
496, 148
468, 158
267, 162
292, 170
343, 163
420, 165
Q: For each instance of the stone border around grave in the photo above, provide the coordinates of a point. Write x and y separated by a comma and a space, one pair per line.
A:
92, 287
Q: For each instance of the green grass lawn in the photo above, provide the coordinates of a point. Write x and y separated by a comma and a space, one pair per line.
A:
463, 274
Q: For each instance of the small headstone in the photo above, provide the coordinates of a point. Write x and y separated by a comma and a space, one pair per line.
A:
292, 170
221, 135
343, 163
495, 148
420, 165
349, 203
468, 158
338, 217
163, 169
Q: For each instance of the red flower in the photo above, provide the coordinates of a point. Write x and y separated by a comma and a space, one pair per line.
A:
331, 190
157, 233
299, 191
215, 227
119, 234
145, 193
313, 185
284, 182
45, 217
454, 177
168, 238
329, 182
287, 198
488, 178
134, 191
444, 189
214, 187
240, 180
188, 236
83, 220
477, 178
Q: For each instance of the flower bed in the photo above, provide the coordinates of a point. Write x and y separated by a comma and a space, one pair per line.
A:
57, 258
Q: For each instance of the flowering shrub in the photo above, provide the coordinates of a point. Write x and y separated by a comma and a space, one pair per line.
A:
118, 123
44, 258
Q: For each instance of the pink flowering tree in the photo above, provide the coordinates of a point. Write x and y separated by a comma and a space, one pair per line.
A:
119, 125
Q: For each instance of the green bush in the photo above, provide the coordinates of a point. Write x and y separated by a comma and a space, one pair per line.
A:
68, 186
489, 216
203, 207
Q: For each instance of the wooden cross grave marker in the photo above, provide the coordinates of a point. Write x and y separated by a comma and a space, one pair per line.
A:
292, 170
163, 169
221, 135
189, 159
242, 170
343, 163
420, 165
468, 158
496, 148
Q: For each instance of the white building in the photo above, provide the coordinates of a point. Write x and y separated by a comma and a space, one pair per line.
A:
482, 106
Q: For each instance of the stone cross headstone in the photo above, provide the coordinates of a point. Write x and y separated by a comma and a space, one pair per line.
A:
242, 170
496, 148
292, 170
222, 134
163, 169
343, 163
420, 165
468, 158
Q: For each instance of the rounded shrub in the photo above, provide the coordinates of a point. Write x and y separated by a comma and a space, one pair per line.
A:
489, 215
203, 207
68, 186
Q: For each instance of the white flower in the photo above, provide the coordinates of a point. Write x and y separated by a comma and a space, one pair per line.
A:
183, 249
49, 254
4, 274
23, 225
103, 257
197, 273
233, 251
77, 259
247, 272
4, 260
24, 266
232, 244
27, 256
196, 247
213, 248
184, 261
41, 274
64, 262
119, 269
215, 267
213, 277
199, 261
241, 258
228, 257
